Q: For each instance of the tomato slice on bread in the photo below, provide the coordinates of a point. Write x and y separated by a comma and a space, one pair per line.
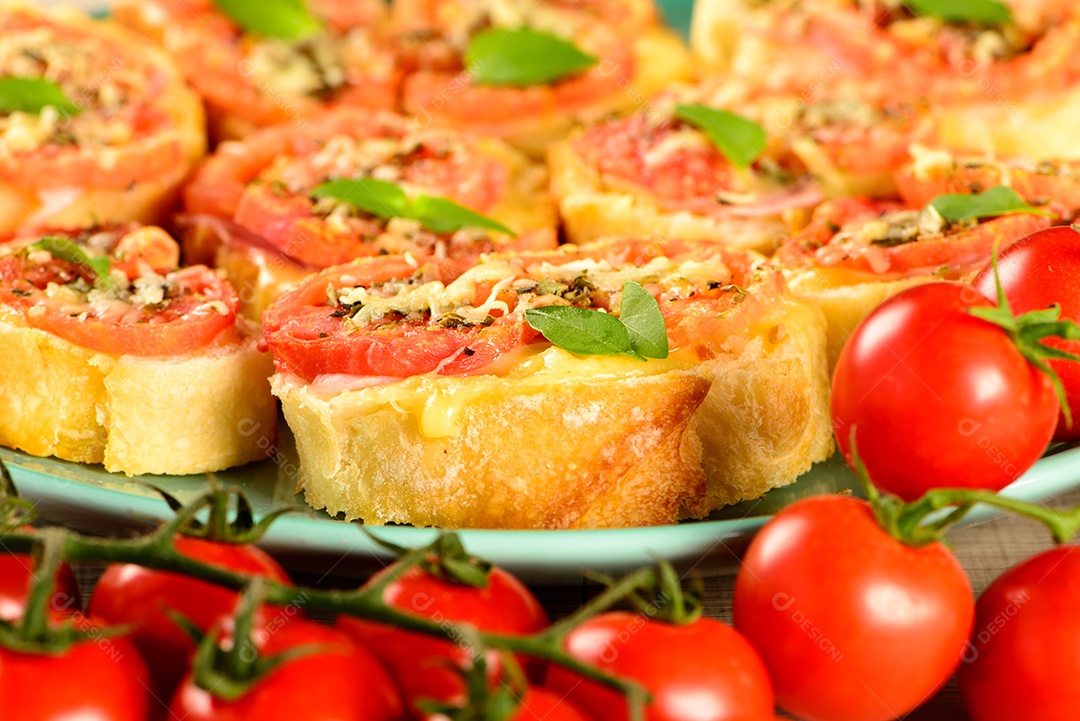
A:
138, 307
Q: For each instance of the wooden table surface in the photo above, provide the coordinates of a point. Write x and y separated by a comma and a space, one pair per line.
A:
985, 550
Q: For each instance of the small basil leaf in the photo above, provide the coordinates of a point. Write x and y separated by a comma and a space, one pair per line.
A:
32, 95
581, 330
378, 197
644, 322
977, 12
64, 249
445, 216
281, 19
740, 139
521, 57
387, 200
999, 200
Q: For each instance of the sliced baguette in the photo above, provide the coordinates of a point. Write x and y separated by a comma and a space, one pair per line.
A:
192, 413
553, 449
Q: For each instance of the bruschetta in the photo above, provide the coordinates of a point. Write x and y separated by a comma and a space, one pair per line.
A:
449, 83
254, 71
417, 398
113, 355
96, 125
253, 209
653, 173
1039, 182
856, 252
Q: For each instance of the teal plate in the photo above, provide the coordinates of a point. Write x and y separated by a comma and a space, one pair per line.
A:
90, 499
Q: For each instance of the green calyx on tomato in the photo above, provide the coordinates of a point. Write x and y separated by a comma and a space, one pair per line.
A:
38, 632
387, 200
221, 525
445, 559
638, 331
229, 673
15, 512
910, 522
1029, 330
483, 701
662, 596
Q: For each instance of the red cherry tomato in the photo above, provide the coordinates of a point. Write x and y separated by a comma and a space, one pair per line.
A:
1023, 662
1040, 270
853, 625
544, 705
16, 573
333, 679
424, 667
128, 594
938, 397
100, 678
702, 671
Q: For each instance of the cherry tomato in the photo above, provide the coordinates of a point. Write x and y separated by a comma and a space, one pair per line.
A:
1023, 662
16, 574
129, 594
853, 625
332, 679
424, 667
540, 703
101, 678
938, 397
704, 671
1040, 270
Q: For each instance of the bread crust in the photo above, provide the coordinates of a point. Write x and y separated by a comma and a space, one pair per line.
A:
193, 413
845, 306
546, 439
562, 451
766, 419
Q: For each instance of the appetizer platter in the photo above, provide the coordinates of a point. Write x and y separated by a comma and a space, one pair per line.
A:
584, 309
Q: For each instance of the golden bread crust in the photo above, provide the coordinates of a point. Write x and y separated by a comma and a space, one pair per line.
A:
194, 413
766, 418
845, 306
546, 451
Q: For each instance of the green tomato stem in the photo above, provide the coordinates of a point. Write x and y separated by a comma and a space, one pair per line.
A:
156, 551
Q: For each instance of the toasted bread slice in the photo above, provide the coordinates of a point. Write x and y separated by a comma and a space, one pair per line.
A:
100, 166
191, 413
450, 416
554, 449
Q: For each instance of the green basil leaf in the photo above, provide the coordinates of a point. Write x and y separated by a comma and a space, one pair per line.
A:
999, 200
378, 197
977, 12
740, 139
64, 249
644, 322
387, 200
445, 216
281, 19
521, 57
581, 330
32, 95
